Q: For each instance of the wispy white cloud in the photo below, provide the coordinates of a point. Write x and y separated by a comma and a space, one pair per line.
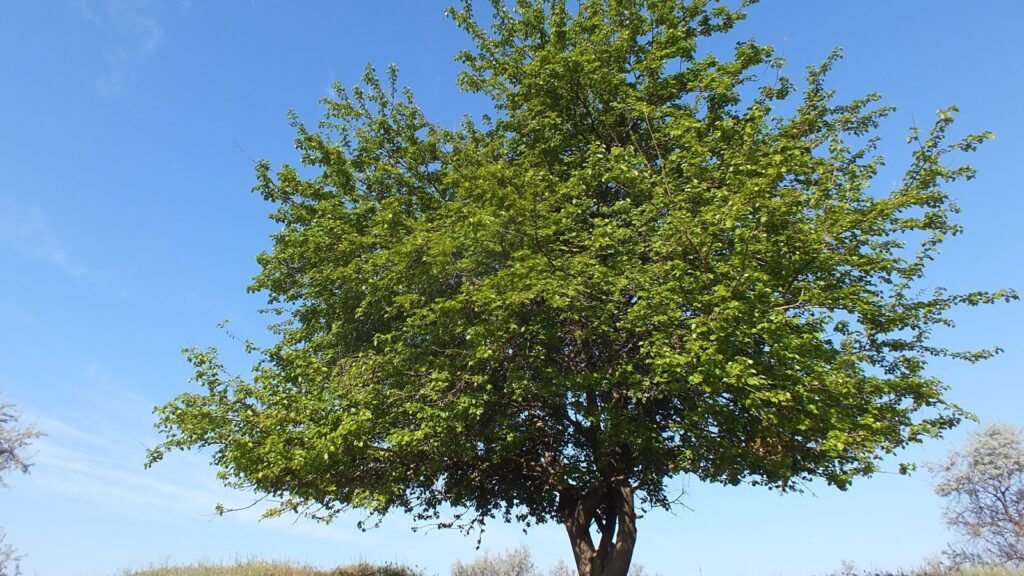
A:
183, 487
64, 430
27, 231
131, 32
82, 474
93, 453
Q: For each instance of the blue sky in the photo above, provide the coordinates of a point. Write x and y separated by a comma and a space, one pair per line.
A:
128, 230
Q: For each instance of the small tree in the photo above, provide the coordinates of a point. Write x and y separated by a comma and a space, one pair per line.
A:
14, 440
649, 263
984, 487
9, 558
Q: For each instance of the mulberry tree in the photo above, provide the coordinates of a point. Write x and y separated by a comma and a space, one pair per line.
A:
647, 262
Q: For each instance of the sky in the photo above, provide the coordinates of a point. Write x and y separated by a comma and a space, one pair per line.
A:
128, 230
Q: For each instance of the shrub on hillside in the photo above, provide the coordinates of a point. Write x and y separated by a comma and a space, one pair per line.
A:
519, 562
515, 562
388, 569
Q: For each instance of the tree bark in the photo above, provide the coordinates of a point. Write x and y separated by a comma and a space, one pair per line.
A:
612, 510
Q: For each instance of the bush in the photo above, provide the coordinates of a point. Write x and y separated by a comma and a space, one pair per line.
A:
515, 562
519, 562
364, 569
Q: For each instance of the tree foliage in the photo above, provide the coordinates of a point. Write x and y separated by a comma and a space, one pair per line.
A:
984, 486
653, 260
14, 440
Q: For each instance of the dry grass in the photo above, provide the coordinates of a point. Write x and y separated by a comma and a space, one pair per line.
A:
936, 570
977, 571
260, 568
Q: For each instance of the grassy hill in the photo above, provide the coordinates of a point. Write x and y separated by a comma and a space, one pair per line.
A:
259, 568
485, 566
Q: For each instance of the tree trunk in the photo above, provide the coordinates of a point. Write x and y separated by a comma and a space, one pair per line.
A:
612, 510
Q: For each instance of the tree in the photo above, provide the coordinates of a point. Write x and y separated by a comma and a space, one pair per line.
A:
14, 440
641, 267
984, 487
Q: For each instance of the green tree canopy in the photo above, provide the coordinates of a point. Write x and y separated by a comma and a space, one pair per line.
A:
650, 262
